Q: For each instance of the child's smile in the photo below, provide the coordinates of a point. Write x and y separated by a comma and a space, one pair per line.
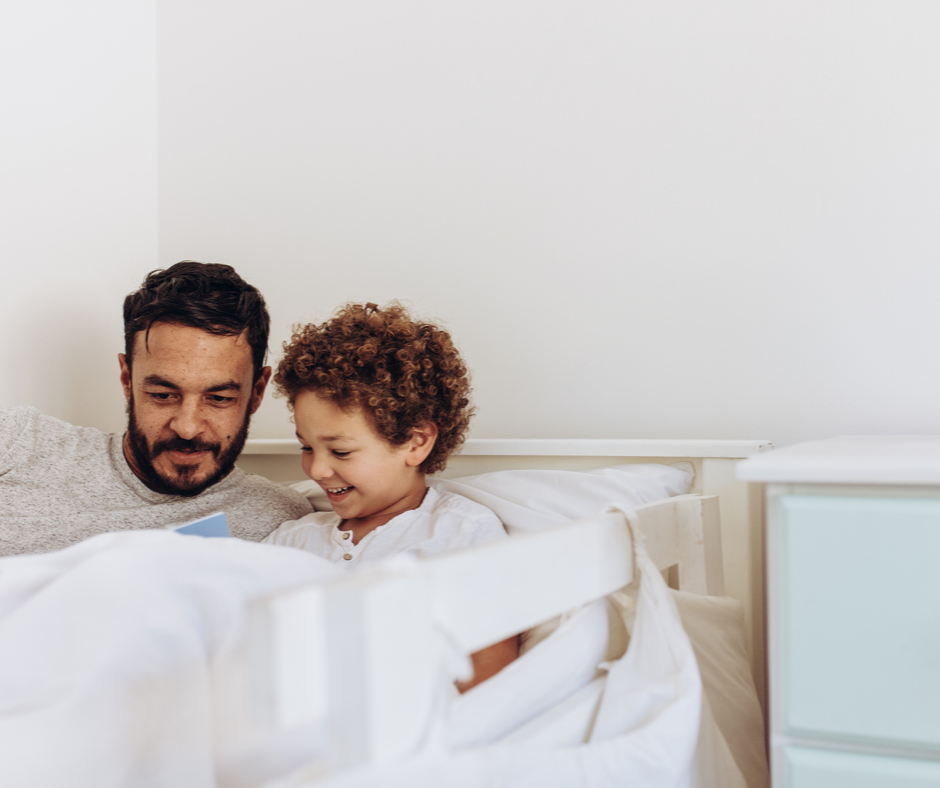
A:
368, 480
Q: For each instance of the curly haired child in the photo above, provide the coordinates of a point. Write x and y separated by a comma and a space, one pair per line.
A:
380, 400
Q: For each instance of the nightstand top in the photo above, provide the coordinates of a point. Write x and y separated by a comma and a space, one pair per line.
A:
856, 459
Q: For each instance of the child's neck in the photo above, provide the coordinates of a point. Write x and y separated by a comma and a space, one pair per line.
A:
360, 526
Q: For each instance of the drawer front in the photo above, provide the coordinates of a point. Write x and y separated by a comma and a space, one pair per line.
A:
812, 768
859, 619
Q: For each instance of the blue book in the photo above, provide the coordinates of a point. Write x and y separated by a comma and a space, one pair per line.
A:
211, 525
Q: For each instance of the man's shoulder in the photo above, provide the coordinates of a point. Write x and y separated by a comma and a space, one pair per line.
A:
13, 424
263, 492
16, 419
27, 434
255, 506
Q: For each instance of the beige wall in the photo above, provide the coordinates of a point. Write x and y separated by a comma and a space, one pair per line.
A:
638, 219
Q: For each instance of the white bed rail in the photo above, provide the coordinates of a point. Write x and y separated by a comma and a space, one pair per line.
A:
365, 651
714, 463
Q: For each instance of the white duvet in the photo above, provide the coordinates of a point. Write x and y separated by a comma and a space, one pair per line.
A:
116, 652
123, 662
109, 652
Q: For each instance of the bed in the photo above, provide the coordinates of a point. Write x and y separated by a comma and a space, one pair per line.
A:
713, 463
684, 540
203, 670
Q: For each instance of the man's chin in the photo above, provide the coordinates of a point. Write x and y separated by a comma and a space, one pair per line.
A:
187, 480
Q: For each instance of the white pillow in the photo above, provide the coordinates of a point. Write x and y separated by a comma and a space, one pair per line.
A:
529, 500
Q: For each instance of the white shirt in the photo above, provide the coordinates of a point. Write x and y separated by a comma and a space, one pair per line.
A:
443, 522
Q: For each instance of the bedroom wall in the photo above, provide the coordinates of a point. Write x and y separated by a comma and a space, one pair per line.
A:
78, 180
638, 219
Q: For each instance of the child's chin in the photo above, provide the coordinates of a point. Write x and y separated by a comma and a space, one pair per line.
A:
345, 508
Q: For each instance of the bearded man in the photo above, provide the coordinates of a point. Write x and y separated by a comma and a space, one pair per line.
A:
195, 341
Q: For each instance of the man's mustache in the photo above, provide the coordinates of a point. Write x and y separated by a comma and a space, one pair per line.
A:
181, 444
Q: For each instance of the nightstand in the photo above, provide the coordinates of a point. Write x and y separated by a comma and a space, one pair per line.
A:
853, 573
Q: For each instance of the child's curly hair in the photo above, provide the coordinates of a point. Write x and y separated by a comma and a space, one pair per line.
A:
401, 372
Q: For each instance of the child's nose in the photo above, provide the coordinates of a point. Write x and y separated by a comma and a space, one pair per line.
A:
319, 469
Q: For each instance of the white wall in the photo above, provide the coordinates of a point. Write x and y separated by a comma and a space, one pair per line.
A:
78, 171
638, 219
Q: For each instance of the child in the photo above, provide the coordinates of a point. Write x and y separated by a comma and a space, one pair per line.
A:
379, 401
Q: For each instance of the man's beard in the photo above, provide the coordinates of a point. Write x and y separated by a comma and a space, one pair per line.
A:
183, 483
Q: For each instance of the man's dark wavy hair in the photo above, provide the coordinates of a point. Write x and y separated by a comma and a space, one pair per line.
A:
208, 296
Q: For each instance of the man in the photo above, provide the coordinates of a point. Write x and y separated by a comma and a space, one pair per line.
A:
195, 340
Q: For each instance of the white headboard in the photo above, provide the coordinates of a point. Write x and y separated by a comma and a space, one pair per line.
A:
714, 461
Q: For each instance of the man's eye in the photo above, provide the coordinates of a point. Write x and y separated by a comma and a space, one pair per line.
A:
219, 400
159, 396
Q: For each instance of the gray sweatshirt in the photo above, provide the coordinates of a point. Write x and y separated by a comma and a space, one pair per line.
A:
60, 484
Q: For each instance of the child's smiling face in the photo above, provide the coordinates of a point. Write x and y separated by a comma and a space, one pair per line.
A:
365, 477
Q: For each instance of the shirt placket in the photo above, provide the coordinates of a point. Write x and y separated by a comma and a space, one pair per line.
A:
343, 539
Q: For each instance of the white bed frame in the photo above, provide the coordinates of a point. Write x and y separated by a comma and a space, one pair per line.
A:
740, 504
382, 627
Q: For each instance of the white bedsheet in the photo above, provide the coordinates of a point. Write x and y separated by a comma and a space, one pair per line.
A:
123, 663
109, 652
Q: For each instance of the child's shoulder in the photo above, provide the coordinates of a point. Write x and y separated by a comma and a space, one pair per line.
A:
471, 522
442, 501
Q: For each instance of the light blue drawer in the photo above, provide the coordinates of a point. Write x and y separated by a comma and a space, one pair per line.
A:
811, 768
859, 606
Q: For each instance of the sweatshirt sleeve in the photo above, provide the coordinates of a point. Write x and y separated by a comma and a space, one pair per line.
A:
13, 423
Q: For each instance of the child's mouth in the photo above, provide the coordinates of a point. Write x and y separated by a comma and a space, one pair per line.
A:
337, 491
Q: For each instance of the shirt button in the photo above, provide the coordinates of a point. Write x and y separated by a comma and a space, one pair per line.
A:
348, 557
346, 535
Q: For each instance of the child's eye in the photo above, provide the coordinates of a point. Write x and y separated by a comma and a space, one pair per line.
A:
306, 449
341, 453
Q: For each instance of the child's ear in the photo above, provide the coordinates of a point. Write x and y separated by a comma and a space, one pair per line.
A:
422, 441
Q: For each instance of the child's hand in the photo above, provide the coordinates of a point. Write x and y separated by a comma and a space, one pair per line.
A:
490, 661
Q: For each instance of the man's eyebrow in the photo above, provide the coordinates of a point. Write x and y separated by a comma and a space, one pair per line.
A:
156, 380
229, 385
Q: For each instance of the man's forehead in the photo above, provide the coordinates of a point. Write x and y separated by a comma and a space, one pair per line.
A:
174, 343
177, 334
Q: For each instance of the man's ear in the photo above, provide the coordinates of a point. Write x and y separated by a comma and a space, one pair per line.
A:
125, 376
257, 390
423, 438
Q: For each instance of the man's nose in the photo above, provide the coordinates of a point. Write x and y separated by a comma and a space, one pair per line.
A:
188, 421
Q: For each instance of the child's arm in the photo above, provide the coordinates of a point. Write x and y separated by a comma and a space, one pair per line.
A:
490, 661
